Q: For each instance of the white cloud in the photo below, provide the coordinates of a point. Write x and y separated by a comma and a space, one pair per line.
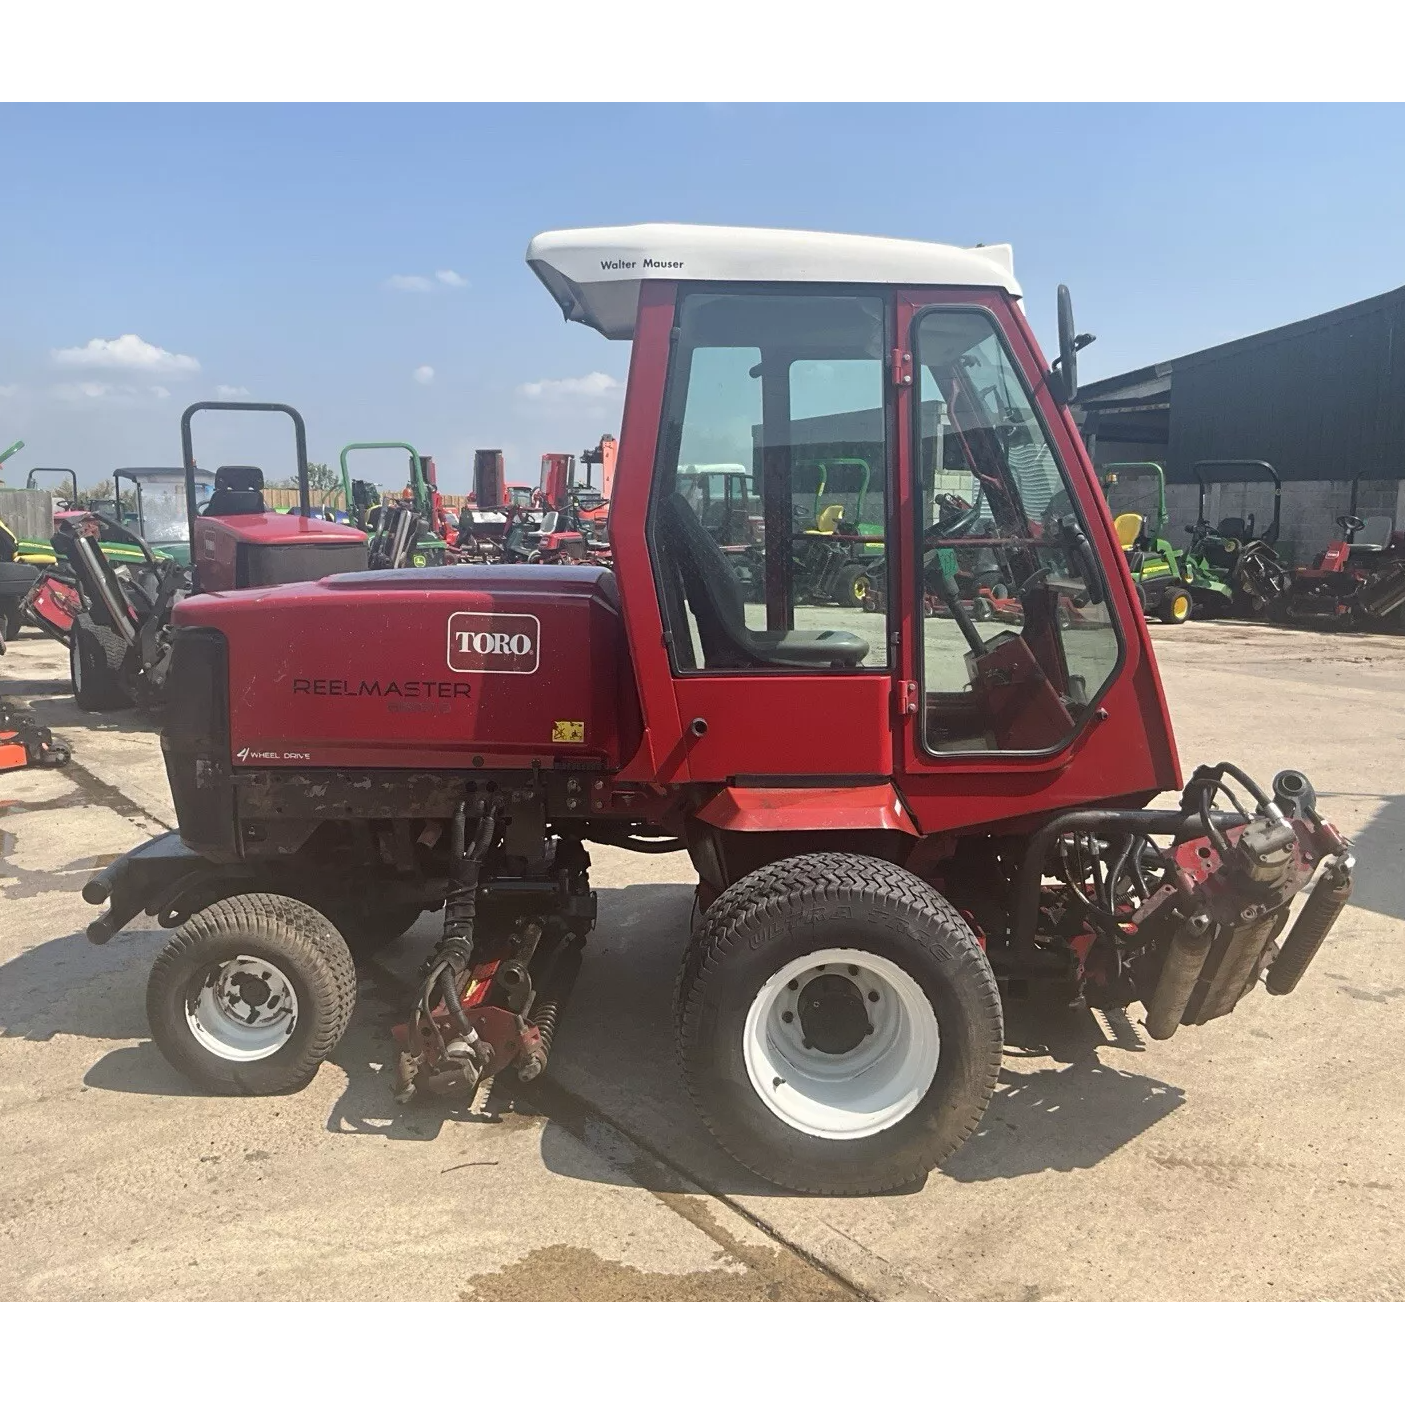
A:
108, 393
7, 390
232, 392
424, 374
126, 353
422, 283
595, 385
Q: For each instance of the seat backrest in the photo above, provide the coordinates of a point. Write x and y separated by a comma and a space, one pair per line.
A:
1128, 526
238, 491
1375, 534
829, 520
1234, 527
711, 586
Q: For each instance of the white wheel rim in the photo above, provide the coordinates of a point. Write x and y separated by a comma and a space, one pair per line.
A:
77, 664
245, 1009
843, 1094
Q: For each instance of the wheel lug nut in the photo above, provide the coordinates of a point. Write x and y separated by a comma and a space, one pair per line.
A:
853, 970
787, 1017
792, 985
873, 996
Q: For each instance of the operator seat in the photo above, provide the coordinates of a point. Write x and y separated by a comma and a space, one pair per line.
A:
238, 492
1374, 537
715, 596
1128, 526
1234, 527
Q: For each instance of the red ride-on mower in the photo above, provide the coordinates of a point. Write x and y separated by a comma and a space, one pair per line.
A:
1358, 580
120, 645
893, 818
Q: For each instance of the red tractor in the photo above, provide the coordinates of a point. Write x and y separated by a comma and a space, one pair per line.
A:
895, 817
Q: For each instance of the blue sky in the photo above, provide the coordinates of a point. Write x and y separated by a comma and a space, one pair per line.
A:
259, 243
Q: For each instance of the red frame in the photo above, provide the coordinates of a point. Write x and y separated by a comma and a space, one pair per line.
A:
856, 725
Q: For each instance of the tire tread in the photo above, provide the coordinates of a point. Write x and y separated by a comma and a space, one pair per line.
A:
780, 889
325, 965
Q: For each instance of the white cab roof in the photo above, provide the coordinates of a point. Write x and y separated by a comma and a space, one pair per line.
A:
594, 274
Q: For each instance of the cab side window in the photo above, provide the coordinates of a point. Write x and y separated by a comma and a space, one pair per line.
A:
768, 521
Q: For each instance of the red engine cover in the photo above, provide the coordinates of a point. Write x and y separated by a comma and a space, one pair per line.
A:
217, 541
435, 667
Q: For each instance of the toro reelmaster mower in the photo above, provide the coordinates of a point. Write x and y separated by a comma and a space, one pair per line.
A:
120, 647
892, 816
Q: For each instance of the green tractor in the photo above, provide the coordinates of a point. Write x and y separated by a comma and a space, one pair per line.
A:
402, 531
1172, 585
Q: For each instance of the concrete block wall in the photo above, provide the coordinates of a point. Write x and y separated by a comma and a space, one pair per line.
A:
1309, 510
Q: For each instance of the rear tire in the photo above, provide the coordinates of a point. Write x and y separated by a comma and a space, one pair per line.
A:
868, 1115
10, 621
95, 686
1175, 606
251, 995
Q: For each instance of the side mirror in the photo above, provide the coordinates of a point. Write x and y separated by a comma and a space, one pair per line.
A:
1071, 342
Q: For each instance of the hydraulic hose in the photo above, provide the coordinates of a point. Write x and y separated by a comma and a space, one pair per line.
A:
1024, 914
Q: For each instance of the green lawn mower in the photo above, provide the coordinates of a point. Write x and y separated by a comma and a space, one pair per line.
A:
1171, 585
833, 556
1240, 552
402, 531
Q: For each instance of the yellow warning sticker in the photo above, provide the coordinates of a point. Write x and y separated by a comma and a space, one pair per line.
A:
568, 732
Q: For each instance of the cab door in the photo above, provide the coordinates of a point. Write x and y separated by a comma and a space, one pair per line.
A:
781, 663
1019, 653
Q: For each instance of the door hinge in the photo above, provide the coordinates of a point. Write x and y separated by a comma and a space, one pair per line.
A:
901, 362
907, 698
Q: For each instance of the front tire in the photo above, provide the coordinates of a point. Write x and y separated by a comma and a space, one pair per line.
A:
251, 995
1175, 606
852, 1079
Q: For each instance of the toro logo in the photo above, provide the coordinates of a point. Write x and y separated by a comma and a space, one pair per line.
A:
494, 643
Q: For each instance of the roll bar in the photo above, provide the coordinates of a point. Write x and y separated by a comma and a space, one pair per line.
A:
258, 406
417, 481
71, 474
1271, 535
1160, 484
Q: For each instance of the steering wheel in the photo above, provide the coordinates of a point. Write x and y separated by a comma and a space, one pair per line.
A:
1350, 524
956, 526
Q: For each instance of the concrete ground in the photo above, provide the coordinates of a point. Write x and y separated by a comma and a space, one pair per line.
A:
1258, 1157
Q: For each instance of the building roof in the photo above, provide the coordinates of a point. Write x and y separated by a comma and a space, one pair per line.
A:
595, 274
1155, 381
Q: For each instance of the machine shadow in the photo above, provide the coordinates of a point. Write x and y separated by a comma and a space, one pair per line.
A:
1380, 860
69, 986
615, 1052
61, 711
613, 1084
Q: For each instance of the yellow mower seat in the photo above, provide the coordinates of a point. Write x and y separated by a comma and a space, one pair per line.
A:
828, 522
1128, 526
